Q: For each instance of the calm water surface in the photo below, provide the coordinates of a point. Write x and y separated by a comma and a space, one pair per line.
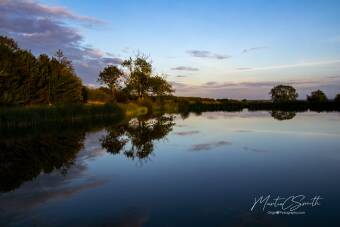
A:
173, 170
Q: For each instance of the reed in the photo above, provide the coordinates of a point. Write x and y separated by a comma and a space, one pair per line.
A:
17, 117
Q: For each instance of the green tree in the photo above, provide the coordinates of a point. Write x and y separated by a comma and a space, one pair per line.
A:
27, 80
317, 96
139, 72
283, 93
337, 98
111, 76
159, 86
141, 82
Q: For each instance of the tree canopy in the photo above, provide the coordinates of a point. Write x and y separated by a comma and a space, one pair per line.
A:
283, 93
111, 76
27, 80
317, 96
337, 98
135, 78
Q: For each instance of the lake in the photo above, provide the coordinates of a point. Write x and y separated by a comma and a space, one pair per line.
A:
204, 169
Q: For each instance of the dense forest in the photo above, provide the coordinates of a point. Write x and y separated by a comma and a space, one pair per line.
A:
29, 80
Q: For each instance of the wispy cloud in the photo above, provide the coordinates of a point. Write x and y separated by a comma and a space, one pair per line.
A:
31, 23
256, 89
295, 65
185, 68
254, 49
23, 8
243, 68
207, 54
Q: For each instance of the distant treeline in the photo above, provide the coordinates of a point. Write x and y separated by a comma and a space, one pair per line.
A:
235, 105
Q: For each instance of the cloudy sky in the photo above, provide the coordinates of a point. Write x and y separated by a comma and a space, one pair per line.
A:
226, 48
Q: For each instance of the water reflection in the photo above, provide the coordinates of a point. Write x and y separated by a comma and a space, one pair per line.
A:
207, 173
282, 115
276, 114
25, 154
135, 139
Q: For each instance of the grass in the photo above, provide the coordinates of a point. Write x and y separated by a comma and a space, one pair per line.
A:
17, 117
133, 109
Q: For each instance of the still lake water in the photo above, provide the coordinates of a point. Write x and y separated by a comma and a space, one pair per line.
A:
174, 170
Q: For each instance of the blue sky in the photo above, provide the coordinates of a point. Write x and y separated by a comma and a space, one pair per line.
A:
235, 49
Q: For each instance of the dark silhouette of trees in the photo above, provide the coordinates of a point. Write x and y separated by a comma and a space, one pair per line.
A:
135, 139
283, 93
337, 98
111, 76
317, 97
159, 86
282, 115
25, 155
139, 71
133, 79
27, 80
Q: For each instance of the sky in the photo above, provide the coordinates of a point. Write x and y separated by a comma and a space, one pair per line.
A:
220, 49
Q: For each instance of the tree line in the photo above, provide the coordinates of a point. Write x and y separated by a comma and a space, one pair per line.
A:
286, 93
29, 80
132, 79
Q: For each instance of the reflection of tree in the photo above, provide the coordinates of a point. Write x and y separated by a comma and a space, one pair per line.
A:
135, 139
184, 114
283, 115
24, 157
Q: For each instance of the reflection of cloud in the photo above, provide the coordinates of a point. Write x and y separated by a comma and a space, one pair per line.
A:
185, 68
180, 126
55, 186
207, 54
209, 146
243, 130
254, 149
132, 218
187, 133
236, 114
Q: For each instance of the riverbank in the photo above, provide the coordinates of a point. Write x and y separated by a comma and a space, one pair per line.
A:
23, 117
254, 105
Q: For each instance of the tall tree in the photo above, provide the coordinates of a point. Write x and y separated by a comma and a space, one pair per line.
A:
139, 72
283, 93
337, 98
159, 86
111, 76
27, 80
140, 80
